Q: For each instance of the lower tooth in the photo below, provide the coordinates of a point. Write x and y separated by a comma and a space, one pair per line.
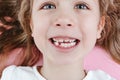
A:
56, 43
72, 44
64, 45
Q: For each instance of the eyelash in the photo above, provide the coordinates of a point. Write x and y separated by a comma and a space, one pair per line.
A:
48, 6
82, 6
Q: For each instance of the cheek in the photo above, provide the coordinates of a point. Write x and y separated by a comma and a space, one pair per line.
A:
38, 35
90, 24
39, 32
40, 26
89, 30
90, 34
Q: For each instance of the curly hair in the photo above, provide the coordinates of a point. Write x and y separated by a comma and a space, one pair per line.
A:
14, 37
8, 37
110, 40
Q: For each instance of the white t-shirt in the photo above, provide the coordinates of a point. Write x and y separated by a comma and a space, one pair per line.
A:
31, 73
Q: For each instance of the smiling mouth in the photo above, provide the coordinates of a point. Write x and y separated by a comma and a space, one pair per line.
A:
64, 42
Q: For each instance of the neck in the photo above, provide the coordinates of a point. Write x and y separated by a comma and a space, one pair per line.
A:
72, 71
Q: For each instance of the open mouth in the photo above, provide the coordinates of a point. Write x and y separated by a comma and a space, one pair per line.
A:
64, 42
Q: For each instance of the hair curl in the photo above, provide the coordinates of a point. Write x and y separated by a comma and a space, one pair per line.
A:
14, 37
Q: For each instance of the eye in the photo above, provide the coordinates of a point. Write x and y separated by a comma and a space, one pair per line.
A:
48, 6
81, 6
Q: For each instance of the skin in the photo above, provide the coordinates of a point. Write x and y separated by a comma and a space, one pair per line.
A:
65, 19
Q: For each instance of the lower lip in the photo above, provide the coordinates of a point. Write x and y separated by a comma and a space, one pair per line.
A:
63, 49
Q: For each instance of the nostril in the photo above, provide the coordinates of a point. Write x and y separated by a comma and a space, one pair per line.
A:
69, 25
64, 25
58, 25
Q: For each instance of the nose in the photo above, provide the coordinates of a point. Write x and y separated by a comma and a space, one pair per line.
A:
64, 21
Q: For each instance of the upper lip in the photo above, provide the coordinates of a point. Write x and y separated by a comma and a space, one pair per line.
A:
64, 37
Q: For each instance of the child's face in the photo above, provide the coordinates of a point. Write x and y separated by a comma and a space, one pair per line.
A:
65, 30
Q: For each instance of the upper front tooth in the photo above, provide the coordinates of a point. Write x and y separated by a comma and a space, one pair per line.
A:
72, 40
54, 39
67, 40
60, 40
